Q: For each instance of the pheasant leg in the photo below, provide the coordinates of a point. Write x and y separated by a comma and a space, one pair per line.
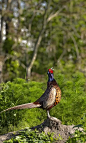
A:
48, 115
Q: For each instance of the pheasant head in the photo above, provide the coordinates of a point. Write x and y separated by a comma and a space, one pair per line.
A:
50, 75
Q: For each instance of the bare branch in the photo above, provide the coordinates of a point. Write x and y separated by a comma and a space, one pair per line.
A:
61, 56
55, 14
76, 46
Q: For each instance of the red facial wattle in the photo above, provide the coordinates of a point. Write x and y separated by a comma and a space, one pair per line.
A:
50, 70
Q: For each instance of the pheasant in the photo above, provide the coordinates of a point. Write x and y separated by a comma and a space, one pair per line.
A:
49, 99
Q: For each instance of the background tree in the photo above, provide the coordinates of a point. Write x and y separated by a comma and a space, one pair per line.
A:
48, 33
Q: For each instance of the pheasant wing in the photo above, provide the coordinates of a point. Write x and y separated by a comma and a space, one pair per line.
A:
48, 98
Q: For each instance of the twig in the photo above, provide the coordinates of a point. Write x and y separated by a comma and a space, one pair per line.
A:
55, 14
76, 46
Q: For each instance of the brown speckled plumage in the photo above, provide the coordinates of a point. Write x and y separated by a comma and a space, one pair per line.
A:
58, 91
51, 96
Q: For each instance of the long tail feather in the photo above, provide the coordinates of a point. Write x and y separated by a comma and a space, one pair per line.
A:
23, 106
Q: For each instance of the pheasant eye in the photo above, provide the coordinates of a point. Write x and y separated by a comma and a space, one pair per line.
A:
51, 71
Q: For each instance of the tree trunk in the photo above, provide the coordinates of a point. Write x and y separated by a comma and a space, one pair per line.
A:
1, 44
28, 70
1, 68
1, 32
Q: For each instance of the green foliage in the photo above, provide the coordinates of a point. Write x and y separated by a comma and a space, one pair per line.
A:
63, 46
32, 136
63, 39
70, 110
79, 137
7, 47
73, 101
15, 93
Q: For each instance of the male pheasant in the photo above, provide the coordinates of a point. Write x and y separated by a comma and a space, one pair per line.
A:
49, 99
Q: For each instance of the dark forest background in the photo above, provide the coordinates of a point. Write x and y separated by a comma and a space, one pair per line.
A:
36, 35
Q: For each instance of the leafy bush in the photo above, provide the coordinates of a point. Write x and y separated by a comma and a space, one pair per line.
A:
73, 102
15, 93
